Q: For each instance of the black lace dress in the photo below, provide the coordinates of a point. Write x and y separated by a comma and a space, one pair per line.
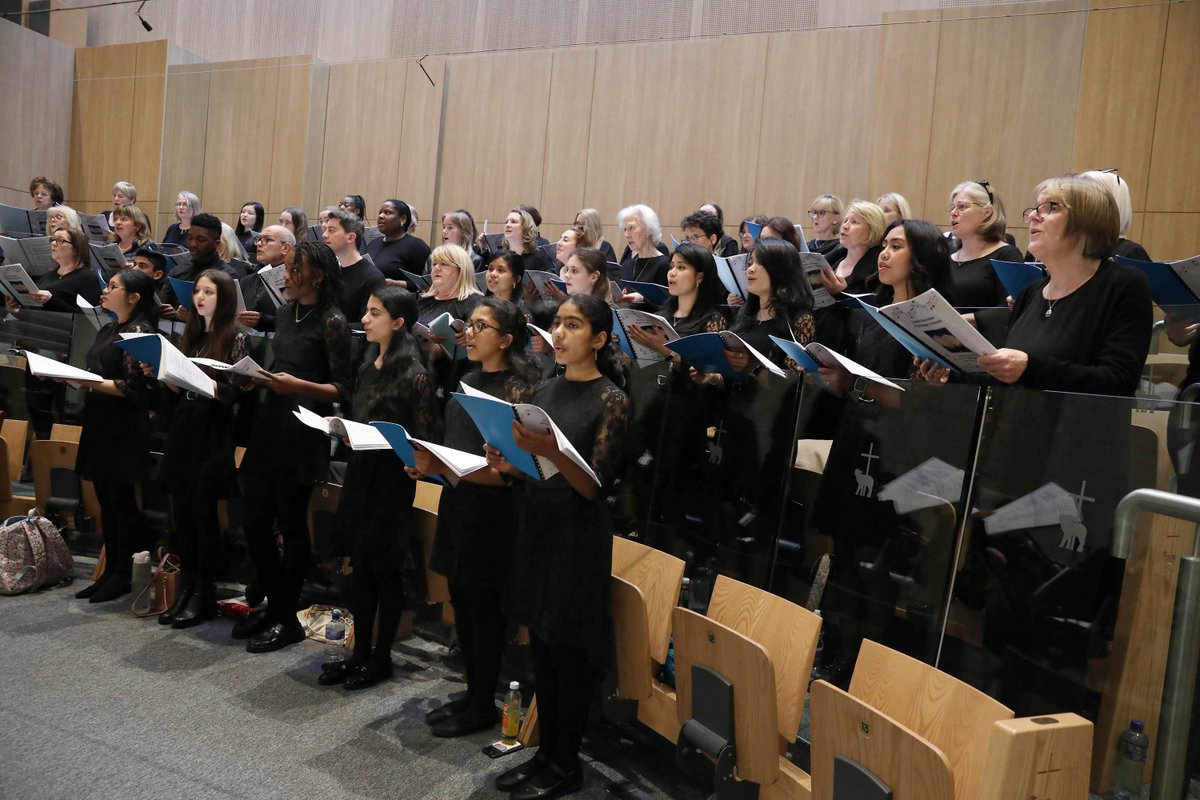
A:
563, 553
476, 523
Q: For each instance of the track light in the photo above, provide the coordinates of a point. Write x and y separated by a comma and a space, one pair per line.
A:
142, 19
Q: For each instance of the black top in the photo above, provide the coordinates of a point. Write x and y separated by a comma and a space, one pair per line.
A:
406, 253
880, 352
727, 246
823, 246
560, 574
646, 270
610, 255
757, 333
476, 523
63, 289
1095, 339
312, 346
864, 271
175, 235
114, 445
359, 281
446, 372
249, 241
190, 272
975, 282
1130, 249
710, 322
258, 298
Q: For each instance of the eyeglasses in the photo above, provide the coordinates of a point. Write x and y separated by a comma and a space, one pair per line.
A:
1112, 171
59, 241
112, 287
479, 326
961, 207
266, 239
695, 238
1043, 210
814, 213
441, 265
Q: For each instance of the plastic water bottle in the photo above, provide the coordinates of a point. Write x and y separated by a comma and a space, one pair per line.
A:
510, 722
1131, 761
335, 634
141, 582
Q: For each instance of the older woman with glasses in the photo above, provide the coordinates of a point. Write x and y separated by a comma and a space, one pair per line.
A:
72, 277
977, 221
826, 214
1086, 326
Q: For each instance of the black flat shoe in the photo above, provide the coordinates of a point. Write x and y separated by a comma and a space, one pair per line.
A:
200, 608
276, 637
255, 623
511, 779
447, 710
333, 674
91, 588
367, 675
111, 590
550, 782
467, 722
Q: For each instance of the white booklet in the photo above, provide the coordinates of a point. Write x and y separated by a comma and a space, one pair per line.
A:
96, 227
246, 366
108, 256
42, 367
273, 280
812, 264
812, 356
94, 314
628, 318
170, 365
931, 320
18, 285
732, 272
33, 251
360, 436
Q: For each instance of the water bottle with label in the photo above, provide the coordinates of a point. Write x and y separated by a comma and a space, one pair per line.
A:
335, 634
1132, 749
510, 722
141, 582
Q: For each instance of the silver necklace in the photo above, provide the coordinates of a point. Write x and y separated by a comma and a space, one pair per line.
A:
312, 308
1050, 306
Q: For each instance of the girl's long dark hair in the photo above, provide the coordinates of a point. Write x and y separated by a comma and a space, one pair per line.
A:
709, 293
510, 319
930, 261
137, 282
218, 342
393, 389
516, 265
600, 317
240, 230
791, 296
327, 273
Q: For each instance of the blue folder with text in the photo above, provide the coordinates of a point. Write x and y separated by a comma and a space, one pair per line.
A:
1016, 275
706, 352
653, 293
398, 438
1168, 286
910, 343
183, 291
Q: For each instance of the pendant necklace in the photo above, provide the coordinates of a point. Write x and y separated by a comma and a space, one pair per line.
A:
1050, 307
300, 319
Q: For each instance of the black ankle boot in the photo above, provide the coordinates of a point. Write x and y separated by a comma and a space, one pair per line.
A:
111, 589
201, 607
92, 588
182, 596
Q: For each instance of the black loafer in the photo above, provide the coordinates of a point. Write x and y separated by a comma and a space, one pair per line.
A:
367, 675
468, 722
333, 674
255, 623
447, 710
550, 782
276, 637
507, 781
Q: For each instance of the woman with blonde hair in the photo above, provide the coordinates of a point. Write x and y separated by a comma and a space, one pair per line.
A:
62, 218
452, 290
588, 222
825, 211
894, 206
131, 229
977, 220
521, 236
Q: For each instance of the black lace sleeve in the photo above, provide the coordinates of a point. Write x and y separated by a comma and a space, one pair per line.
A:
132, 382
426, 423
229, 387
804, 329
612, 434
715, 323
336, 334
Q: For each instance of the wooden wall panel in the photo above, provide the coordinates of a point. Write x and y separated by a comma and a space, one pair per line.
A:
494, 147
362, 155
1175, 162
145, 145
243, 135
184, 129
801, 155
1170, 237
1116, 106
314, 149
572, 78
36, 125
416, 178
294, 89
1010, 120
902, 118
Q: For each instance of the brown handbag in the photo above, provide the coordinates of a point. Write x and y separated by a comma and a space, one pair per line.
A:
163, 586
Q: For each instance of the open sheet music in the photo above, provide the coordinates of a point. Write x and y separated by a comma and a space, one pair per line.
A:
16, 283
42, 367
626, 318
359, 435
32, 251
813, 356
932, 321
170, 365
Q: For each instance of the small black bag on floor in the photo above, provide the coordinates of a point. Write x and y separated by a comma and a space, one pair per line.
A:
32, 555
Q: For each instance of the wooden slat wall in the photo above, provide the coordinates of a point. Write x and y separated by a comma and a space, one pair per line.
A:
36, 125
759, 123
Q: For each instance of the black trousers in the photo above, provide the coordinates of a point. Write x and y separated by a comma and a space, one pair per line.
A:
377, 592
481, 628
197, 533
272, 502
124, 529
564, 691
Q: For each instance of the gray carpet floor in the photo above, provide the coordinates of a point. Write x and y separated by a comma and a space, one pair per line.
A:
97, 704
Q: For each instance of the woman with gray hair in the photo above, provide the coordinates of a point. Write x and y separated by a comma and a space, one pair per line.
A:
187, 205
643, 260
1119, 189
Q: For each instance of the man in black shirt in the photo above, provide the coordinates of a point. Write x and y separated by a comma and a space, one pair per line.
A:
203, 237
360, 278
273, 248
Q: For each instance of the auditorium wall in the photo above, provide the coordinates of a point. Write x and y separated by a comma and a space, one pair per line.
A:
759, 122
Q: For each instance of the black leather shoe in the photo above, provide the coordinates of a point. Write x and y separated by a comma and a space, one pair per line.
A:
447, 710
469, 721
367, 675
550, 782
507, 781
276, 637
200, 607
111, 590
92, 588
333, 674
255, 623
181, 601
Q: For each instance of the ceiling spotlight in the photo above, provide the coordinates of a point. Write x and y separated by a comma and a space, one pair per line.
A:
142, 19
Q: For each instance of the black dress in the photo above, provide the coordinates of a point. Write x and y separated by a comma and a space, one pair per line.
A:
175, 235
976, 284
407, 253
559, 582
114, 445
80, 282
646, 270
